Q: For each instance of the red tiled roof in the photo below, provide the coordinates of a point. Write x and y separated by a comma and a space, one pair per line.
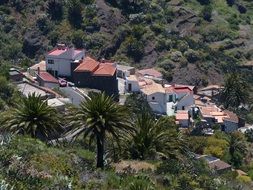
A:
105, 70
57, 51
182, 89
177, 89
169, 89
88, 64
45, 76
150, 72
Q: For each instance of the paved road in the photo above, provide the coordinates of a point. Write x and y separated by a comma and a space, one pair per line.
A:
75, 97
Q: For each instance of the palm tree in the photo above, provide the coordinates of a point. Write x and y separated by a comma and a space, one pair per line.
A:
235, 91
33, 117
154, 137
97, 116
237, 148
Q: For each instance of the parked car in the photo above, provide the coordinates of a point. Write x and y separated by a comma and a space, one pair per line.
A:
71, 84
62, 82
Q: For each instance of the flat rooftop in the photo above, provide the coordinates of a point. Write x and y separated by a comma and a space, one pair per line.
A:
26, 89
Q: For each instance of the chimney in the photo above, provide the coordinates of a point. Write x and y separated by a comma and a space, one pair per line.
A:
61, 46
38, 70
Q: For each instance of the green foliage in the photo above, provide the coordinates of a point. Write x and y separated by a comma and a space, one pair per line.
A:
75, 13
153, 138
97, 116
235, 91
137, 104
216, 147
134, 47
237, 148
204, 2
249, 135
207, 13
30, 164
55, 9
33, 117
78, 39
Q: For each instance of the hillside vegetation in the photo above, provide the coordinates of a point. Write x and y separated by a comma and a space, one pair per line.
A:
190, 41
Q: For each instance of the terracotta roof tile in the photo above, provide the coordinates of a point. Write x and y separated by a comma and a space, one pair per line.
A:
105, 70
88, 64
45, 76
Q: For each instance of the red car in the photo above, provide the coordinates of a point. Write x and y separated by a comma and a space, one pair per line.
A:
62, 82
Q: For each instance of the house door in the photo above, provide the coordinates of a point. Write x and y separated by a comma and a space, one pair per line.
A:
56, 73
129, 87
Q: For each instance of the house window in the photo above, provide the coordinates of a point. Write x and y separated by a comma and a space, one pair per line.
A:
183, 108
50, 61
153, 98
170, 98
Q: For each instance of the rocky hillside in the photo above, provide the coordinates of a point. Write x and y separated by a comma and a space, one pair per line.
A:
190, 41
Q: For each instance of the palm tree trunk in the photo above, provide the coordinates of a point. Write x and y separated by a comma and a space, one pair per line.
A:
100, 150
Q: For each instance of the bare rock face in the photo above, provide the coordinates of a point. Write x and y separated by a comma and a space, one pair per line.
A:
109, 17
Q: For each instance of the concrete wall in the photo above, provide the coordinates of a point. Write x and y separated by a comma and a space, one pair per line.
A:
108, 84
157, 102
62, 63
62, 66
134, 84
230, 126
184, 123
186, 101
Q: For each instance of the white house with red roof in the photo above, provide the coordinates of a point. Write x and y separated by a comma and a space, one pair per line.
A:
59, 61
181, 95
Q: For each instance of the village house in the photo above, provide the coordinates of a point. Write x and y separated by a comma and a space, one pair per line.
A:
33, 70
179, 97
210, 91
27, 88
123, 71
231, 122
215, 163
61, 60
96, 75
155, 95
45, 79
182, 118
212, 114
15, 75
58, 103
132, 84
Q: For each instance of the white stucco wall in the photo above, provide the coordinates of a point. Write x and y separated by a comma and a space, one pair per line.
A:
62, 63
135, 85
158, 104
185, 102
62, 66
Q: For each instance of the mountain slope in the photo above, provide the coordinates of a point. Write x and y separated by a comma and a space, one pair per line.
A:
193, 41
